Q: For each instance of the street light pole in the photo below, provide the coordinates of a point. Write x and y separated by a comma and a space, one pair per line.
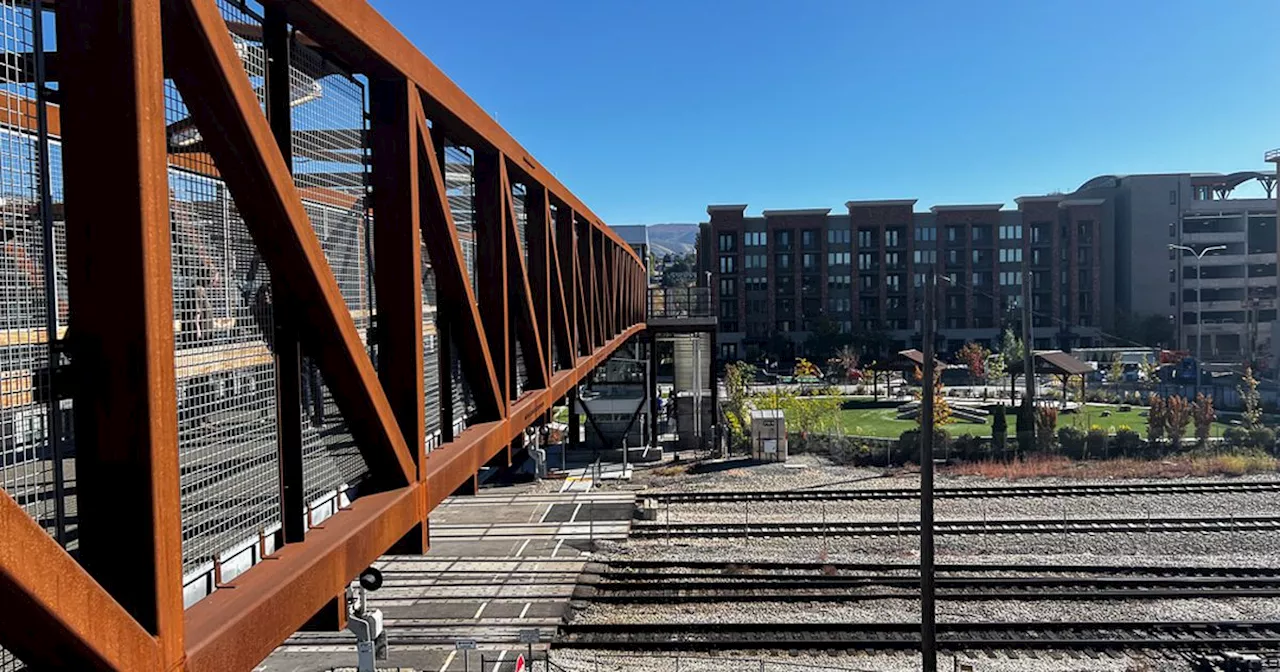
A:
1199, 284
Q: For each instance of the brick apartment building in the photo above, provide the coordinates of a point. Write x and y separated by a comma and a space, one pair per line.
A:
1084, 254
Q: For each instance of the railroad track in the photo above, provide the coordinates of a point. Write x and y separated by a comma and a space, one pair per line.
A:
1095, 636
624, 583
1096, 490
960, 527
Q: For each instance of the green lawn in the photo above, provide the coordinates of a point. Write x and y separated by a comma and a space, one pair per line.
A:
884, 422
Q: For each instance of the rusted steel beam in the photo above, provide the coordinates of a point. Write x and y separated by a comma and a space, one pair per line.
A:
524, 323
56, 615
359, 35
126, 420
208, 73
489, 203
397, 240
240, 624
398, 255
457, 304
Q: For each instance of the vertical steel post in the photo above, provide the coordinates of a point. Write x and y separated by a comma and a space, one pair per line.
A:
111, 82
53, 428
1028, 362
288, 357
651, 389
927, 635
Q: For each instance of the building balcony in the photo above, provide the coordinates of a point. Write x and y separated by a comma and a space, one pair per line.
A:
1216, 328
1212, 283
1212, 238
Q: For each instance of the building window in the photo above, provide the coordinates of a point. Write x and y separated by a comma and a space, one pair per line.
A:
808, 261
753, 261
782, 239
1010, 255
866, 261
1011, 232
782, 261
727, 263
953, 256
892, 259
838, 282
955, 234
1173, 298
926, 233
728, 286
867, 282
1010, 278
866, 237
729, 310
838, 236
1173, 275
893, 282
891, 238
925, 256
729, 351
756, 284
917, 280
809, 239
753, 239
838, 258
727, 242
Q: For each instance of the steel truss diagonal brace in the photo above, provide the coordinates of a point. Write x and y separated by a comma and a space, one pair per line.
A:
208, 73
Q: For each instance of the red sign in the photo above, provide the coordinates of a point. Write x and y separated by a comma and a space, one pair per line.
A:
520, 663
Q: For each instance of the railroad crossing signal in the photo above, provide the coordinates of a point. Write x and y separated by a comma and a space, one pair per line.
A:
520, 663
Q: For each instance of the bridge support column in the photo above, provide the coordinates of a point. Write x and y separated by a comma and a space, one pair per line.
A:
651, 389
575, 425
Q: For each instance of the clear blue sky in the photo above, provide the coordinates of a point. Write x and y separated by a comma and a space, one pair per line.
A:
650, 110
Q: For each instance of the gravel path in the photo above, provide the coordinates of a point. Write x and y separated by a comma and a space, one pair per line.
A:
1250, 503
906, 611
583, 660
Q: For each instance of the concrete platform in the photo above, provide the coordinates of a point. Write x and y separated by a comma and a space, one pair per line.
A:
500, 562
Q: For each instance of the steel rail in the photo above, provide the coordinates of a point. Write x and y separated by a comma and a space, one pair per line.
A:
1125, 635
965, 492
958, 527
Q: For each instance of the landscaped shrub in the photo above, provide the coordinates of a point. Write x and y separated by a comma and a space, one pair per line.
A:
1177, 415
1156, 418
1263, 438
969, 448
1128, 442
999, 430
1096, 443
1203, 414
908, 449
1071, 442
1046, 419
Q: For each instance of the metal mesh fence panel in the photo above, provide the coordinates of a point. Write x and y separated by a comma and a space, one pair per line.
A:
224, 328
28, 469
329, 163
518, 205
460, 189
430, 353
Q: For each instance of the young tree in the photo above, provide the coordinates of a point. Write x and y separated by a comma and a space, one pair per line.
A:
1011, 348
807, 415
1203, 415
1157, 418
737, 380
1252, 415
848, 358
1115, 372
1150, 369
974, 356
1177, 416
996, 369
941, 409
